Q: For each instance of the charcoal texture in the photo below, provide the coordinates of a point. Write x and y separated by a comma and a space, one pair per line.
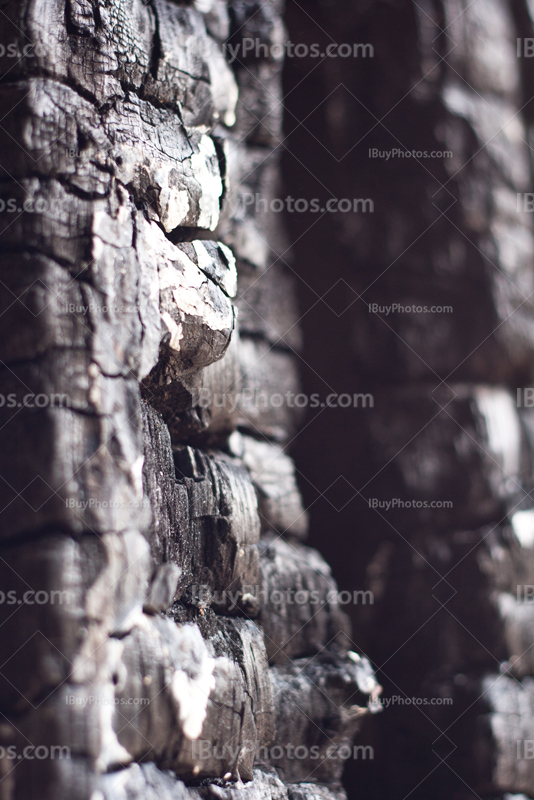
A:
266, 325
142, 337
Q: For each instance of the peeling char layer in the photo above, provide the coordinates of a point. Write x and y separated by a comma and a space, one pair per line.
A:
174, 170
197, 316
191, 306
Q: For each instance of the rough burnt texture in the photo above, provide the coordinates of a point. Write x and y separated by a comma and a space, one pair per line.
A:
145, 484
169, 627
433, 481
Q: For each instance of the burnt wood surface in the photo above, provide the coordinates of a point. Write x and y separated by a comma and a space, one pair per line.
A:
142, 645
170, 624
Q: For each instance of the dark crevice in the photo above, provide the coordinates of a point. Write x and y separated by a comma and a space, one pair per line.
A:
97, 15
156, 51
223, 166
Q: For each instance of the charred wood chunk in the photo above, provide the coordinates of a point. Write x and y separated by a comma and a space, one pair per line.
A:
59, 217
162, 694
63, 599
155, 698
202, 715
319, 702
300, 614
161, 52
503, 736
89, 290
250, 385
104, 296
270, 385
63, 404
168, 499
250, 219
163, 587
273, 475
267, 305
64, 44
131, 143
240, 716
483, 464
205, 519
207, 410
196, 281
225, 528
190, 71
216, 403
253, 386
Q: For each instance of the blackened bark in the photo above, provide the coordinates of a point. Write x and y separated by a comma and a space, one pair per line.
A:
141, 653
